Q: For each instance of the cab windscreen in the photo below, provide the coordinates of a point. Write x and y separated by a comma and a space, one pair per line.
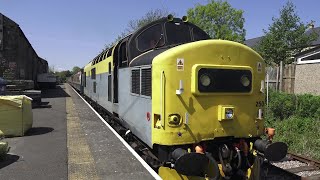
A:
224, 80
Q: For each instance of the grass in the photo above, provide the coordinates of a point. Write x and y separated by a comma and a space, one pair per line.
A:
301, 134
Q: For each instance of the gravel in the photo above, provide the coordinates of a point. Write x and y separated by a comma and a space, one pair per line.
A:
289, 164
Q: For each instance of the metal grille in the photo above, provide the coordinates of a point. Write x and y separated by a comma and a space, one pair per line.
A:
135, 81
146, 82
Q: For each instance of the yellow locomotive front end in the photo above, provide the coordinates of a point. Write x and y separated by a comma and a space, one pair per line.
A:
207, 104
207, 89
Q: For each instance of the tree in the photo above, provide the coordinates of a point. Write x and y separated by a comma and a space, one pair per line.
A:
75, 69
63, 75
134, 25
149, 17
219, 20
285, 38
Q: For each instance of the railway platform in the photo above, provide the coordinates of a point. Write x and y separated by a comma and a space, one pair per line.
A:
69, 140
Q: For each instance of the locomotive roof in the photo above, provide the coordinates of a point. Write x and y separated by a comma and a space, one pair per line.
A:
166, 34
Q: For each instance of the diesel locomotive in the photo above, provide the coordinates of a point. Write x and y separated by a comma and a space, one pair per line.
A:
195, 102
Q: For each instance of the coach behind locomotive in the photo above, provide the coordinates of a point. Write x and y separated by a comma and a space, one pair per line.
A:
190, 99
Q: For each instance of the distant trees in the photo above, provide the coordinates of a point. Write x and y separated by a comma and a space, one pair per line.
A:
219, 20
133, 25
63, 75
285, 37
75, 69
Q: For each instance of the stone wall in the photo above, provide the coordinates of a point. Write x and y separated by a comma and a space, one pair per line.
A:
20, 58
307, 79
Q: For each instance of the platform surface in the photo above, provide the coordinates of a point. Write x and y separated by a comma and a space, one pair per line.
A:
69, 141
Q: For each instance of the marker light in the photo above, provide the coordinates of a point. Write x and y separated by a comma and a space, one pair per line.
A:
170, 17
245, 81
205, 80
229, 113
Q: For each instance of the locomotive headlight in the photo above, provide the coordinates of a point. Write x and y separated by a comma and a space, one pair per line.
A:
245, 81
229, 113
205, 80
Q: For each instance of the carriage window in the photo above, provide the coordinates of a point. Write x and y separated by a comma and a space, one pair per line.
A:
93, 73
148, 38
109, 52
177, 33
94, 87
123, 62
198, 34
85, 79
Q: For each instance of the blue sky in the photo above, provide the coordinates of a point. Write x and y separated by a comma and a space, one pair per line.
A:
70, 33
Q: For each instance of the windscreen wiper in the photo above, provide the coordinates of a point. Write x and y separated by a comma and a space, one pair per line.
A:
155, 46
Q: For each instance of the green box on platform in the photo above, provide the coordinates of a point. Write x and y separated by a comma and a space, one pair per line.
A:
15, 115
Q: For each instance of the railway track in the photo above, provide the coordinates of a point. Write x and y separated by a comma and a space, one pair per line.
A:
294, 167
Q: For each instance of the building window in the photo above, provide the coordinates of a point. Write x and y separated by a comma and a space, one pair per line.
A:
310, 58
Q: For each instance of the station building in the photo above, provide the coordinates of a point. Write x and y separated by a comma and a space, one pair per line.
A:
18, 59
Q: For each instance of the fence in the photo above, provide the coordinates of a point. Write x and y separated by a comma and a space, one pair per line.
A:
281, 78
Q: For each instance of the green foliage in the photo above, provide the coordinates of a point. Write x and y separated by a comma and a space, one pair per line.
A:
219, 20
296, 119
285, 37
308, 106
75, 69
301, 134
281, 105
63, 75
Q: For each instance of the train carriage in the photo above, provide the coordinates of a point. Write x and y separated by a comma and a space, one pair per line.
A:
190, 99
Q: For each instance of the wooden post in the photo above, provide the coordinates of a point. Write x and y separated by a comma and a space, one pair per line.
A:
277, 79
281, 76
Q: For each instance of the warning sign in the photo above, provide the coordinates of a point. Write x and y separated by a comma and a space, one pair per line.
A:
259, 67
180, 64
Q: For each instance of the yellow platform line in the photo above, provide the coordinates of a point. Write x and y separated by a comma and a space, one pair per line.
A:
81, 164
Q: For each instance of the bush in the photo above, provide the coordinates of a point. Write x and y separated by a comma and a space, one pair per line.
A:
281, 105
302, 135
308, 106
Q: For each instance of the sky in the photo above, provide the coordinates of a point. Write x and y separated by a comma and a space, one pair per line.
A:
70, 33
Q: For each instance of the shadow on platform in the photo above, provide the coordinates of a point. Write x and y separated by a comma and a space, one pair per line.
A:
8, 159
54, 93
38, 131
42, 105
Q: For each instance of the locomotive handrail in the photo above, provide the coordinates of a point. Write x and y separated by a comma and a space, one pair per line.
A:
162, 99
